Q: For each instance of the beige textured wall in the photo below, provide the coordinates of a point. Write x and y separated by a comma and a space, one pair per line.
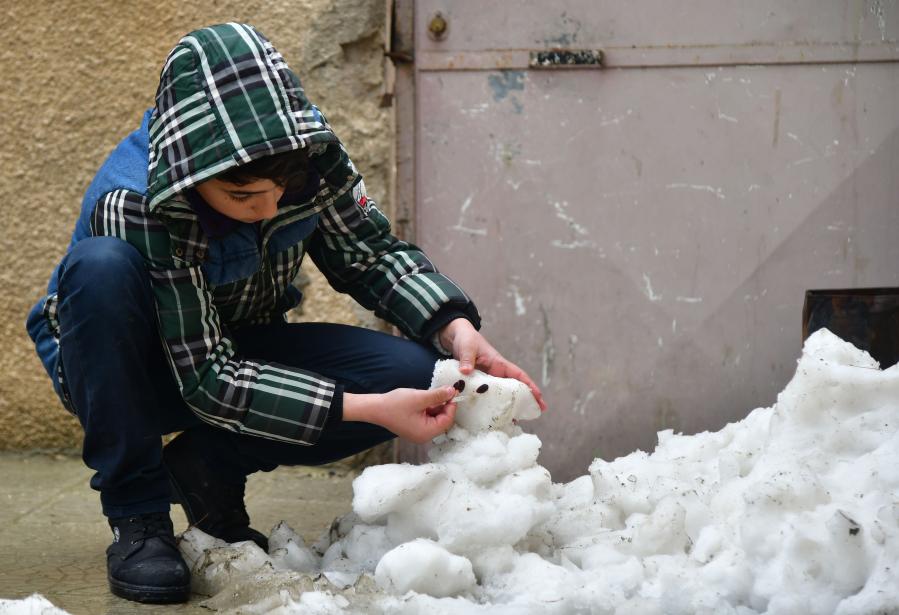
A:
76, 77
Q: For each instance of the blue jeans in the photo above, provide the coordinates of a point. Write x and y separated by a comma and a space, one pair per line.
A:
121, 387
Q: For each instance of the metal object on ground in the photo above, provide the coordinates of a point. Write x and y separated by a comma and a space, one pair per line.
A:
866, 317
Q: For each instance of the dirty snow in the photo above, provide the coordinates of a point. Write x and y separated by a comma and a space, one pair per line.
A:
794, 509
35, 604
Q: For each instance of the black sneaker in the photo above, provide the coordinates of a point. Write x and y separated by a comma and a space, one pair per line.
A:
143, 562
210, 504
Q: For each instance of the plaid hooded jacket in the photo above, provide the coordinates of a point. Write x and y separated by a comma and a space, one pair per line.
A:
226, 97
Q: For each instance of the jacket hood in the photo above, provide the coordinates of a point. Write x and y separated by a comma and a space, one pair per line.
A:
225, 97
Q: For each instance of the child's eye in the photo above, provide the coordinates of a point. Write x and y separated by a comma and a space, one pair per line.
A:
239, 197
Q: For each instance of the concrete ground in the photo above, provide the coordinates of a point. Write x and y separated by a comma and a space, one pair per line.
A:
53, 537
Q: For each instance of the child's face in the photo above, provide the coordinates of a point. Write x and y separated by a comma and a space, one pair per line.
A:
252, 202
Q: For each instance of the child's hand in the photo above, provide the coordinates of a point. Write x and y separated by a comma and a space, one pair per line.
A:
474, 351
411, 414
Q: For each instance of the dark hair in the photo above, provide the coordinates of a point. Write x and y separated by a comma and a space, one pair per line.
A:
287, 170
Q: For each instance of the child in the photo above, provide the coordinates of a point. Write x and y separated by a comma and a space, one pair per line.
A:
167, 312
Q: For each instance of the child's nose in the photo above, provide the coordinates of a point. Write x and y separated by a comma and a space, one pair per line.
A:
270, 205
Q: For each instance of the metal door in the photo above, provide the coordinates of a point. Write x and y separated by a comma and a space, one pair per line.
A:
638, 236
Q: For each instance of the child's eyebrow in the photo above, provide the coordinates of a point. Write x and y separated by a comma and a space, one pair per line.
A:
246, 192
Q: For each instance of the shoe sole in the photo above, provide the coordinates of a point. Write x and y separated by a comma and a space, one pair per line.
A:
148, 593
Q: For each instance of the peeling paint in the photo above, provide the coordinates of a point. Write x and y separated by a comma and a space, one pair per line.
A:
876, 10
776, 136
569, 28
688, 299
475, 110
648, 289
519, 300
505, 82
572, 347
575, 245
548, 352
561, 213
615, 119
718, 192
728, 118
459, 226
580, 404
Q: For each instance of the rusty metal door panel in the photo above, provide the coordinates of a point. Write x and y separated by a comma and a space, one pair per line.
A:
640, 240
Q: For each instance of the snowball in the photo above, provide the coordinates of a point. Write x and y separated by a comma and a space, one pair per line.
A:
424, 566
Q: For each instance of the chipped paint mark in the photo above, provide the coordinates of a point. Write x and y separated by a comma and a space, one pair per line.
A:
475, 110
574, 245
795, 138
578, 229
753, 187
506, 153
876, 9
688, 299
615, 119
674, 326
505, 82
560, 208
548, 353
572, 346
660, 342
570, 27
519, 300
728, 118
648, 289
580, 404
459, 226
776, 118
718, 192
829, 152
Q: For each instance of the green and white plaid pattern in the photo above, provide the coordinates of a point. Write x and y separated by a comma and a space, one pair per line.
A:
226, 97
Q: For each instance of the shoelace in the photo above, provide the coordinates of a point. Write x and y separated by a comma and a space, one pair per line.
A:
152, 526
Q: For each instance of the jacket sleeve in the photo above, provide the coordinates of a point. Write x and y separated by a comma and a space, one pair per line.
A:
254, 397
355, 250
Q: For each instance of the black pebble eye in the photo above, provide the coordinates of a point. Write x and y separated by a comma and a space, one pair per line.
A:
482, 389
459, 385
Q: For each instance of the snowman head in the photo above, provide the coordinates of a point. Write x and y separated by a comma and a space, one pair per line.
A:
485, 402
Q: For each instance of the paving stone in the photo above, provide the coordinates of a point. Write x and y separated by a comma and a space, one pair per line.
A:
53, 537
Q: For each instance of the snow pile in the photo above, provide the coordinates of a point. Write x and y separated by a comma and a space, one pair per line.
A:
794, 509
35, 604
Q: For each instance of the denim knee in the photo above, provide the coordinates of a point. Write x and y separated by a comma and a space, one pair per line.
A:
107, 266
